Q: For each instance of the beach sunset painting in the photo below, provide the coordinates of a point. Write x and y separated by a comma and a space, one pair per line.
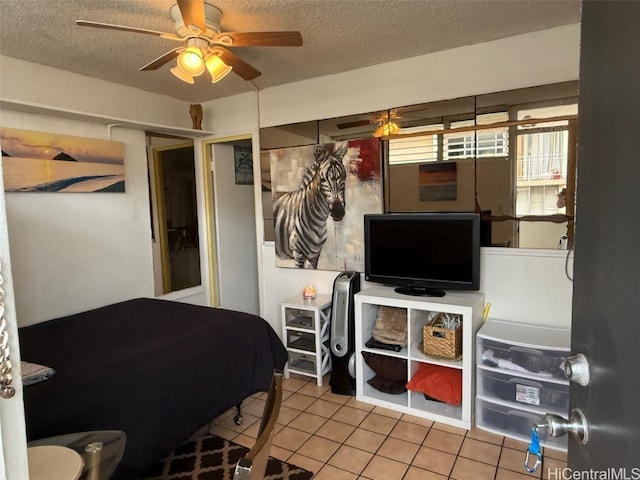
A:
50, 162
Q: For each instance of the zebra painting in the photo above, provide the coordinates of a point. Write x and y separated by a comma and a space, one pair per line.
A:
300, 216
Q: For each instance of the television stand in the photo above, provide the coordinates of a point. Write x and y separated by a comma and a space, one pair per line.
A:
418, 311
420, 291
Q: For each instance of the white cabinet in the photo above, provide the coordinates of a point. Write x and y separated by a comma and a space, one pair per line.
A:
468, 305
305, 331
520, 375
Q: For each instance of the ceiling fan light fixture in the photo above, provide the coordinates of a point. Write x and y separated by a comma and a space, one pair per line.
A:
177, 71
386, 128
393, 128
217, 68
191, 62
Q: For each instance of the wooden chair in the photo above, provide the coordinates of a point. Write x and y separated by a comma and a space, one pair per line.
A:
254, 464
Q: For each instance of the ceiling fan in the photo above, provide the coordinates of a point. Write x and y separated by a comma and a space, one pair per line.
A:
204, 46
380, 118
386, 122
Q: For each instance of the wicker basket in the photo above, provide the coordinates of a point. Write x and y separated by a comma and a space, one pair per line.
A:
441, 342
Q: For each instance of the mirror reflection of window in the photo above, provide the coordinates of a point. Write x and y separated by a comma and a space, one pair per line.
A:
490, 143
542, 154
509, 182
541, 157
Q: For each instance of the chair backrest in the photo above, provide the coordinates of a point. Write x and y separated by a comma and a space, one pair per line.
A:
254, 464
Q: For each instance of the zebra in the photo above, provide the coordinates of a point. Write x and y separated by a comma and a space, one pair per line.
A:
300, 216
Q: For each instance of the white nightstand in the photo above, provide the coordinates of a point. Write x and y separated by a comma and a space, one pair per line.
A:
305, 331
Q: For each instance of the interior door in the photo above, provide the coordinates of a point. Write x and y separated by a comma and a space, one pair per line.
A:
606, 323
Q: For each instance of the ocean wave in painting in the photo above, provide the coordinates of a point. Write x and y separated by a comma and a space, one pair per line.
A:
38, 175
90, 183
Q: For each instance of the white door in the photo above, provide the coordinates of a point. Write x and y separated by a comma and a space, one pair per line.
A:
13, 439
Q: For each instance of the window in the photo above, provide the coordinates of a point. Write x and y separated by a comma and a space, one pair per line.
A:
489, 143
435, 147
543, 155
541, 160
415, 149
537, 200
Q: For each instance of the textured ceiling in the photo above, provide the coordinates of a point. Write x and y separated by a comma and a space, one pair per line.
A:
337, 36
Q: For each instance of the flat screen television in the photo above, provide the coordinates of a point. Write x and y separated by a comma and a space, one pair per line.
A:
423, 253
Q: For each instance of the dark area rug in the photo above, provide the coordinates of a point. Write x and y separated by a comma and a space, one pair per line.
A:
213, 458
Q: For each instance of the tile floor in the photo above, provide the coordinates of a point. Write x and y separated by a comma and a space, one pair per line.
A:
339, 438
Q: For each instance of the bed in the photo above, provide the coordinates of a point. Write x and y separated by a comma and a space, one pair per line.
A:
156, 369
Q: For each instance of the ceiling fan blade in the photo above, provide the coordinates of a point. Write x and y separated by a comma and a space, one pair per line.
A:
161, 60
357, 123
192, 12
110, 26
242, 68
259, 39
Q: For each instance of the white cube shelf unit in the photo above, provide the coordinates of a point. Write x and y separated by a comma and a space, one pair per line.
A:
305, 332
469, 305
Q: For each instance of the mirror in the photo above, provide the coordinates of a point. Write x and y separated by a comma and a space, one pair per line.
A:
510, 155
174, 215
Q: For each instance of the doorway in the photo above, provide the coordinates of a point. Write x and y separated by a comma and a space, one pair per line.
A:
230, 193
176, 245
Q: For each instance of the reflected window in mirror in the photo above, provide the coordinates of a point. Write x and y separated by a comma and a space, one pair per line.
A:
544, 170
497, 163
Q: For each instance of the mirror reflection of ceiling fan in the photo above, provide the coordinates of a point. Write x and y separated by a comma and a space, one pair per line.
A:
204, 46
386, 121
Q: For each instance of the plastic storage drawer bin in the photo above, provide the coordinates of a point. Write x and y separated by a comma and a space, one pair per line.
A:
525, 350
521, 359
515, 422
524, 391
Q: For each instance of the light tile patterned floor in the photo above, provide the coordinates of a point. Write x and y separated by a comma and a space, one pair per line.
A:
339, 438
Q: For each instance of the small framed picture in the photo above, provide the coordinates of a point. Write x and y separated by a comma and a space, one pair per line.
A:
243, 165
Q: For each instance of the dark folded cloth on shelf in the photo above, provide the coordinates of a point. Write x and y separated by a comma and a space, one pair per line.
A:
373, 343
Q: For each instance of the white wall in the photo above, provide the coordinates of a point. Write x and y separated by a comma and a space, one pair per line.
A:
538, 58
236, 232
230, 116
526, 286
75, 251
29, 83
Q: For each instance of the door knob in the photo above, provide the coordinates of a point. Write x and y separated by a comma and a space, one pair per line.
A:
576, 368
576, 425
